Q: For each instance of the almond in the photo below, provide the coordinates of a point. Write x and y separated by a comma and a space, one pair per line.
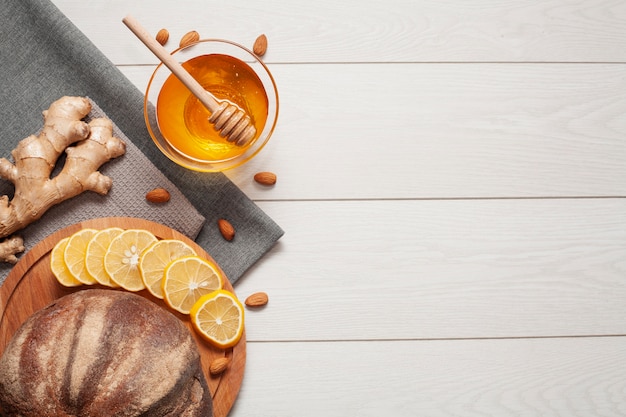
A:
158, 195
258, 299
226, 229
265, 178
219, 365
260, 45
189, 38
162, 36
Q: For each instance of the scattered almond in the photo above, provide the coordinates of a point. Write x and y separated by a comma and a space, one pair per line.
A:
162, 36
265, 178
260, 45
158, 195
219, 365
189, 38
226, 229
258, 299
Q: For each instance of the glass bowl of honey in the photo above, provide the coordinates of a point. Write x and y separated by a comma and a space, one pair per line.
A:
177, 121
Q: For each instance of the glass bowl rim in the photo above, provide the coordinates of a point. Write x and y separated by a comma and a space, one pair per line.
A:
214, 166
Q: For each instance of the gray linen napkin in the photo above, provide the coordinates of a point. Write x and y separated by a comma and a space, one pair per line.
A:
43, 56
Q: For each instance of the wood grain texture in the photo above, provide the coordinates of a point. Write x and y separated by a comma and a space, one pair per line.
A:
30, 286
393, 270
374, 31
570, 377
445, 131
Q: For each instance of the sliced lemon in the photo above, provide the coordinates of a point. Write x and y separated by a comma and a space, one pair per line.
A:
74, 255
218, 317
94, 257
58, 267
156, 258
187, 279
121, 262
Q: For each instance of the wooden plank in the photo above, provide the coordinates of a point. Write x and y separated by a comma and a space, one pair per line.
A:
362, 270
442, 131
373, 31
575, 377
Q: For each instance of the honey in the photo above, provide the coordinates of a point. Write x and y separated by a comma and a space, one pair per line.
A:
183, 120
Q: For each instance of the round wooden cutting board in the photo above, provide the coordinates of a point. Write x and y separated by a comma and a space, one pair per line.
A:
30, 286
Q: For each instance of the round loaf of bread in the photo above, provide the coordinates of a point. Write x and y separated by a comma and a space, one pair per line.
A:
103, 353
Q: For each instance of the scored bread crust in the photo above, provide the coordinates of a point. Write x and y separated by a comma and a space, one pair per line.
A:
103, 353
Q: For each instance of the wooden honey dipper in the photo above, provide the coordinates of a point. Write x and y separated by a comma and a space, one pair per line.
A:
228, 119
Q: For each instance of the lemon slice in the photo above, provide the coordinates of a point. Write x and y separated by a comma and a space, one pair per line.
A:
74, 255
94, 257
58, 267
121, 261
187, 279
156, 258
218, 317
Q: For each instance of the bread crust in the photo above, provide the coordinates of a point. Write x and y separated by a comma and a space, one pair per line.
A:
103, 353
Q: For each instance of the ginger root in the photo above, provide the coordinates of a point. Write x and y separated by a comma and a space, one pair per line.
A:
35, 158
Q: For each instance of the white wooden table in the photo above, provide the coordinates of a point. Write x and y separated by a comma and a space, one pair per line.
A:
452, 183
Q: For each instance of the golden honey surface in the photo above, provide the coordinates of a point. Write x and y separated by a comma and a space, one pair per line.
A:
183, 120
